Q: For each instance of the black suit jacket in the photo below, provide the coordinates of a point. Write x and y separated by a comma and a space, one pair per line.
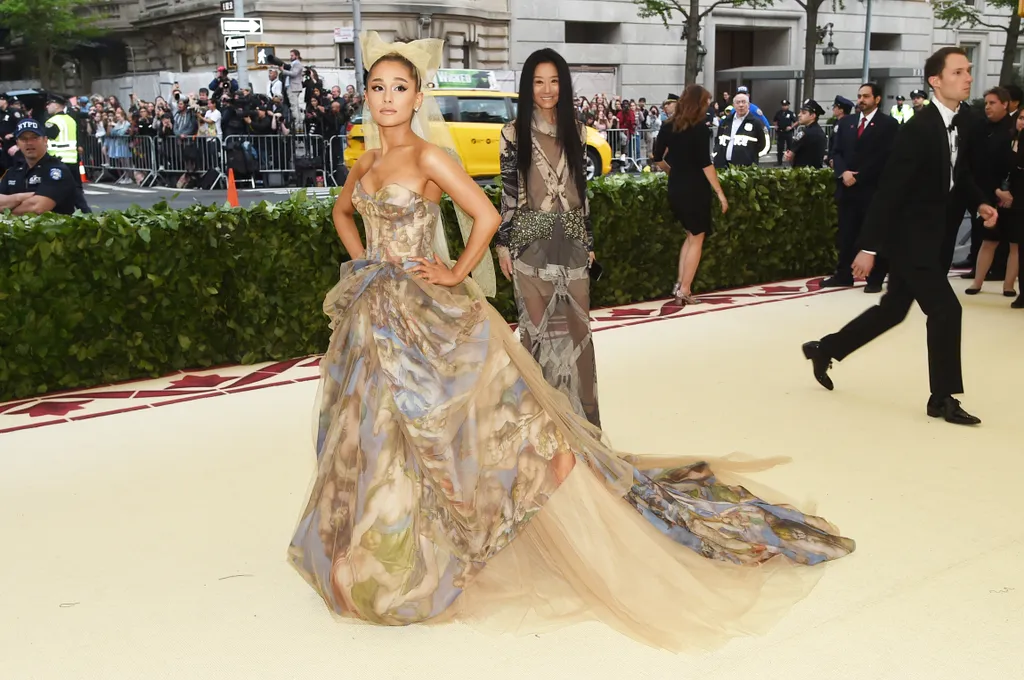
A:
866, 156
913, 212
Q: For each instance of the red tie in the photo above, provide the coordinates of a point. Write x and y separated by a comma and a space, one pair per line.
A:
860, 129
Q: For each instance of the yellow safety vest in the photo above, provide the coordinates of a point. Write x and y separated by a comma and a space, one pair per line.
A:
902, 115
65, 146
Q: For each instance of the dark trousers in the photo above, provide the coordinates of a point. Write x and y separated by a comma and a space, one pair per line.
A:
80, 201
783, 143
852, 212
930, 288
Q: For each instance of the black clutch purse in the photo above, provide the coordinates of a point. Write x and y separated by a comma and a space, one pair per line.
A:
596, 270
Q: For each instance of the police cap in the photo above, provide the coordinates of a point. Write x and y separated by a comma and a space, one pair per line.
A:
812, 106
843, 103
29, 126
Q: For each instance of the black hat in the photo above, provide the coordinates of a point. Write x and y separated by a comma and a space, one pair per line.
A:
672, 98
900, 98
56, 99
845, 104
918, 93
812, 106
785, 102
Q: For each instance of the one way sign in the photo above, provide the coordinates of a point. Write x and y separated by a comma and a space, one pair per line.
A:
233, 43
250, 26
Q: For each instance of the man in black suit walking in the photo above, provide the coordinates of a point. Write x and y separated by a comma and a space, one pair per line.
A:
912, 221
862, 146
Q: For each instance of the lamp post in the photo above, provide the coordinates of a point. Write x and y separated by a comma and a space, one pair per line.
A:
830, 52
357, 48
865, 75
703, 52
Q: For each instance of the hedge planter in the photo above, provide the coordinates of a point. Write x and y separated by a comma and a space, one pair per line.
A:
101, 298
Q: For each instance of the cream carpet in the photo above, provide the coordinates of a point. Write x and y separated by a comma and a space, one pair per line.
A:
151, 544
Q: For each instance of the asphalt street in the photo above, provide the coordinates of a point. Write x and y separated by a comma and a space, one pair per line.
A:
103, 197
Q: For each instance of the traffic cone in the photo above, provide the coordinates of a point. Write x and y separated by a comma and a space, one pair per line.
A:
232, 190
81, 173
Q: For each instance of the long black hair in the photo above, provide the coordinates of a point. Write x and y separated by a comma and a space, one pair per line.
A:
565, 121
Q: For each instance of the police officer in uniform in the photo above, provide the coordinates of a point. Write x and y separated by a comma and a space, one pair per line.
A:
900, 112
63, 134
920, 100
785, 124
741, 138
810, 145
40, 183
10, 116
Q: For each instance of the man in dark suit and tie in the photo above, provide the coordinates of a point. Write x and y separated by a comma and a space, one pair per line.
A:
862, 146
912, 221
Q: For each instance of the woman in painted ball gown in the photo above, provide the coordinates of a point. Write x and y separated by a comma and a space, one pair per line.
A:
454, 483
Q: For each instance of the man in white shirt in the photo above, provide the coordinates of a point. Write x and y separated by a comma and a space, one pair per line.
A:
275, 88
913, 221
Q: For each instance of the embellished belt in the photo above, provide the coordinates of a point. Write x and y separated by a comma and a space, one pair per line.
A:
531, 225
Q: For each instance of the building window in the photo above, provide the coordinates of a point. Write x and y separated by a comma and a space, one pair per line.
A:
885, 42
591, 33
346, 55
1018, 60
972, 56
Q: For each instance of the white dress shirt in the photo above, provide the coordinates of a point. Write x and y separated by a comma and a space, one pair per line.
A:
866, 118
947, 120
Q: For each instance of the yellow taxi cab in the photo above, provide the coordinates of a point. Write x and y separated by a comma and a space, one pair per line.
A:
475, 119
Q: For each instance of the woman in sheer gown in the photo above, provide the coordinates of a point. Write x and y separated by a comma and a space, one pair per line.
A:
454, 483
545, 243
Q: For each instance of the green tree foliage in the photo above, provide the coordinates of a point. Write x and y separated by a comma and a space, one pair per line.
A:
46, 29
957, 13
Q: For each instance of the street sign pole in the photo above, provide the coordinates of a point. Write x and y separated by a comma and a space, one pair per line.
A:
241, 57
357, 26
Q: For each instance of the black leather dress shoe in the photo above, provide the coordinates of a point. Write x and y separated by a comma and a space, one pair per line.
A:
1019, 302
821, 363
873, 288
833, 282
949, 409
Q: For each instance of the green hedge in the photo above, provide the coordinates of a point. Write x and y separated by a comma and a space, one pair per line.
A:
101, 298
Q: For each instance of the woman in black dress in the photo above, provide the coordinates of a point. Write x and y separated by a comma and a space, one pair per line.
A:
683, 149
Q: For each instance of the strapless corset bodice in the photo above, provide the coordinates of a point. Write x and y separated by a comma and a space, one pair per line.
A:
399, 222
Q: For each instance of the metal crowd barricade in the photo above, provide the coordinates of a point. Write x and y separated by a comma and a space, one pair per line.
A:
273, 159
336, 160
190, 159
123, 159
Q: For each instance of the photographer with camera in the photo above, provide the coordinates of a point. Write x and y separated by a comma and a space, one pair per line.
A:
222, 84
296, 74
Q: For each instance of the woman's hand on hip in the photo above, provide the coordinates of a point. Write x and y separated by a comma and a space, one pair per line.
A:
434, 271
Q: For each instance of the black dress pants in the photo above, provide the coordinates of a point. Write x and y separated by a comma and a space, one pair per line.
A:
930, 288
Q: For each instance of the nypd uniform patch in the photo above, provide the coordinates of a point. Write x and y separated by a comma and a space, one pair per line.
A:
56, 174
